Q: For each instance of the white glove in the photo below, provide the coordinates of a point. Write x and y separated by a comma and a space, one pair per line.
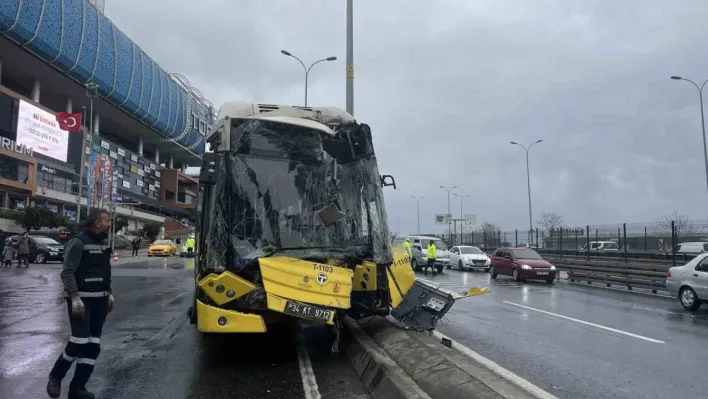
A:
77, 307
111, 303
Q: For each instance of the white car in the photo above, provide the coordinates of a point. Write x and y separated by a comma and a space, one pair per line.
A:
468, 257
690, 282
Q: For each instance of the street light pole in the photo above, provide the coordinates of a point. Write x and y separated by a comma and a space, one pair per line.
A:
448, 206
462, 216
350, 58
307, 69
528, 183
703, 121
418, 207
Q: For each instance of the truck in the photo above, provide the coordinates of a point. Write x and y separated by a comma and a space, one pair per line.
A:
292, 226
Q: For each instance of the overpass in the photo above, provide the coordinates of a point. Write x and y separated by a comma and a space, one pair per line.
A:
148, 120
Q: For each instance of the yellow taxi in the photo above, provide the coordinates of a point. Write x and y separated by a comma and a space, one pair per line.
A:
162, 248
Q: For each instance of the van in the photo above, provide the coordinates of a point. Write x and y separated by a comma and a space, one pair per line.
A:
607, 246
419, 245
691, 248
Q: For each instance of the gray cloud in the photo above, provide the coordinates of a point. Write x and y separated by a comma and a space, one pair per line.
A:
446, 85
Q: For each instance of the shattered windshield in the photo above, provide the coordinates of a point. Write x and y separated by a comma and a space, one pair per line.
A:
279, 188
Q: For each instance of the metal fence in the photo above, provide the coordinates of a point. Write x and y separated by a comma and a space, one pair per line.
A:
653, 237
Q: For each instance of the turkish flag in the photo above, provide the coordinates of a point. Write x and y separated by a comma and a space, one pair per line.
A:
69, 122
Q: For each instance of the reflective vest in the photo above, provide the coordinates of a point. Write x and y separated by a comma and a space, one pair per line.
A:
189, 243
432, 251
93, 276
407, 247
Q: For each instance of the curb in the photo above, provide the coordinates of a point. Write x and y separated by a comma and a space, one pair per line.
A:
380, 374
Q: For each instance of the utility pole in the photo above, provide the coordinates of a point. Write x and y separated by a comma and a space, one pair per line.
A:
703, 120
350, 57
418, 207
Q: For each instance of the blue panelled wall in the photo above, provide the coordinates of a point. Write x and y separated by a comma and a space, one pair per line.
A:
85, 45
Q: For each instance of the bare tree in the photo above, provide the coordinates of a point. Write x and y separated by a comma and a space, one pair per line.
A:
551, 222
489, 228
682, 226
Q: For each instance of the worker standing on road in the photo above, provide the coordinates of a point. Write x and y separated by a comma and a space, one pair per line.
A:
432, 255
87, 282
407, 247
190, 245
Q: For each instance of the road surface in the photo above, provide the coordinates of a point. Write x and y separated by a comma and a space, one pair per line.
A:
149, 350
581, 342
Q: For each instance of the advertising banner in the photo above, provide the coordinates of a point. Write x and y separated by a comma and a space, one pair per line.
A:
39, 130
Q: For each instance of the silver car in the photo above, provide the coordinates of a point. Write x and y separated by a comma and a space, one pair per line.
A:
690, 282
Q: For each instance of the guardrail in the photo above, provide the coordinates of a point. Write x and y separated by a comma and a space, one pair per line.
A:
646, 275
624, 256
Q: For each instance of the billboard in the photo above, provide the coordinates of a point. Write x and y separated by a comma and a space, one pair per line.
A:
39, 130
101, 180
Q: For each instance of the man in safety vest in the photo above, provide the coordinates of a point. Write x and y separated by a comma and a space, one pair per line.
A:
407, 247
190, 244
432, 255
86, 277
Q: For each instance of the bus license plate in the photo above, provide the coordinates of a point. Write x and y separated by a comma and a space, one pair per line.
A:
307, 311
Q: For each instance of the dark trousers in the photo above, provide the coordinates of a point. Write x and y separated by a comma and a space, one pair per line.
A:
430, 264
84, 344
135, 251
190, 251
23, 258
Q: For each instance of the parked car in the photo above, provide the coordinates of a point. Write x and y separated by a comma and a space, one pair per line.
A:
522, 264
419, 245
43, 249
469, 257
162, 248
689, 283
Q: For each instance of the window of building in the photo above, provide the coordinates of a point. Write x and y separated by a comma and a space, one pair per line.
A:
196, 121
14, 169
169, 195
185, 198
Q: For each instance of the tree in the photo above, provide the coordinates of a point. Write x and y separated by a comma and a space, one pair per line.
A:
151, 230
682, 226
551, 222
120, 223
36, 218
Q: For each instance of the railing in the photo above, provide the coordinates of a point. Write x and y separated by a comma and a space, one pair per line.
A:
646, 275
633, 256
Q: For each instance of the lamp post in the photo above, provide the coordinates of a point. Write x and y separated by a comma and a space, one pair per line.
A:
307, 69
462, 216
703, 121
417, 199
448, 206
528, 183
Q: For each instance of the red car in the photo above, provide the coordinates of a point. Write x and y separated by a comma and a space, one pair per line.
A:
522, 264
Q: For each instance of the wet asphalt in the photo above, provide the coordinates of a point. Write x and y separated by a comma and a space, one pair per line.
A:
149, 349
572, 359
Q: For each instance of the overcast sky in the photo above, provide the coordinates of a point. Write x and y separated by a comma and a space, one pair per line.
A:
446, 84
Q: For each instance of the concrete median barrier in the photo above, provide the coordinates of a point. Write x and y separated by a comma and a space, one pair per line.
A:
397, 363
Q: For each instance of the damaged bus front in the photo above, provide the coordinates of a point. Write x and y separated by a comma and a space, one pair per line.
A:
293, 225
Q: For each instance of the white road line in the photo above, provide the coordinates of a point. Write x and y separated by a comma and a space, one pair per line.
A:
309, 382
587, 323
501, 371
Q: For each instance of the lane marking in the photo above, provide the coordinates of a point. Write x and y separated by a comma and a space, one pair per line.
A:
499, 370
587, 323
309, 382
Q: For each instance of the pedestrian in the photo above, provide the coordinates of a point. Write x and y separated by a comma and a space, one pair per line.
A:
190, 244
178, 242
432, 255
86, 277
136, 246
8, 253
23, 250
